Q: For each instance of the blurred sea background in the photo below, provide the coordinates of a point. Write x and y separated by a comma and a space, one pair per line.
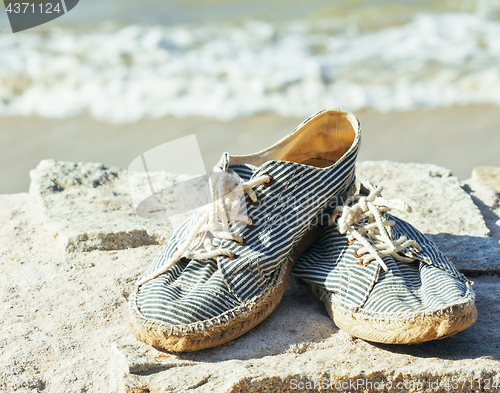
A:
112, 79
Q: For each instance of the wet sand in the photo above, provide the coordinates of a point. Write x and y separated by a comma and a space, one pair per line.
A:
458, 138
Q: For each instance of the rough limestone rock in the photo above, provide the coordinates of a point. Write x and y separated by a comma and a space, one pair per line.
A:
441, 209
489, 175
60, 313
64, 315
88, 206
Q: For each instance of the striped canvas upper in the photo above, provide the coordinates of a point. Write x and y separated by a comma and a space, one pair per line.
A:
426, 285
201, 291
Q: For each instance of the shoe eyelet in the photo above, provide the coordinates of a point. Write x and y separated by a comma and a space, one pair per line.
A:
356, 253
242, 243
268, 182
252, 225
256, 203
350, 242
232, 258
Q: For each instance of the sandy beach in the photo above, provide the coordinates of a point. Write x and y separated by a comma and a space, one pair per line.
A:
459, 138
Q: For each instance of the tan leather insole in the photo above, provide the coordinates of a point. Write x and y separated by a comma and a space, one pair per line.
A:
320, 142
323, 140
318, 162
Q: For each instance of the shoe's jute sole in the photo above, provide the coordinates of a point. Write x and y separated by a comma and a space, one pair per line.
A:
418, 329
160, 334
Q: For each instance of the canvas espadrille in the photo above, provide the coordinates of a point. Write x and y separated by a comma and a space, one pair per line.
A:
381, 279
221, 274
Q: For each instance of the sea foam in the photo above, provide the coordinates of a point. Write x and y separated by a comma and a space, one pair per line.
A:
228, 71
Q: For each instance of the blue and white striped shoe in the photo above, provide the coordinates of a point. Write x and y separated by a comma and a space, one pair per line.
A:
225, 269
382, 280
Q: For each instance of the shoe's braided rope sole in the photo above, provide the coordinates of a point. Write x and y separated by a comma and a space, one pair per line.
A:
415, 330
159, 335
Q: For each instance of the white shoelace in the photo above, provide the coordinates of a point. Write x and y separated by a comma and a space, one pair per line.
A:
226, 194
374, 233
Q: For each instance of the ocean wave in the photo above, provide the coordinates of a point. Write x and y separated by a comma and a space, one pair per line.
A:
228, 71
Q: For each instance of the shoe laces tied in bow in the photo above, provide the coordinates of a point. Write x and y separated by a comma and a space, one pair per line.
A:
227, 194
363, 216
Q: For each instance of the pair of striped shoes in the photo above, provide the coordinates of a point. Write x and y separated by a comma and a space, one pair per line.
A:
294, 209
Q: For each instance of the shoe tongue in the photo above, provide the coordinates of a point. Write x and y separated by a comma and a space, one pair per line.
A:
366, 187
224, 162
243, 170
